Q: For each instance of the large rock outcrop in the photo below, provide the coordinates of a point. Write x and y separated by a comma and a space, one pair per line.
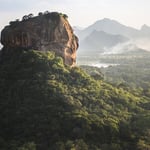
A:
50, 31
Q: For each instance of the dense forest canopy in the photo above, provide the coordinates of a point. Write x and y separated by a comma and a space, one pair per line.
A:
45, 104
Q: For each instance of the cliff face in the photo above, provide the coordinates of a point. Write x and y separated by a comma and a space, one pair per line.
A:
46, 32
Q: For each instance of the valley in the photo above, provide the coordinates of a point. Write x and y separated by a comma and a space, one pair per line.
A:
129, 71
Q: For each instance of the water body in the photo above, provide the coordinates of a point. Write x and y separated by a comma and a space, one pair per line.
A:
102, 65
94, 61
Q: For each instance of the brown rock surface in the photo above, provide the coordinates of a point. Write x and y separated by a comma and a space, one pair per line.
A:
46, 32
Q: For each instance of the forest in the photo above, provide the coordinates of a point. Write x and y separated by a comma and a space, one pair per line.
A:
46, 105
130, 72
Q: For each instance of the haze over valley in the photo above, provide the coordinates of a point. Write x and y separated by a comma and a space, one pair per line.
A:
108, 36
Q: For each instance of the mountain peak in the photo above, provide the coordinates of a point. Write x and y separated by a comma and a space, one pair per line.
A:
107, 21
110, 26
145, 27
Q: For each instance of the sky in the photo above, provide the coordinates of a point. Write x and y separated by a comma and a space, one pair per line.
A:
81, 13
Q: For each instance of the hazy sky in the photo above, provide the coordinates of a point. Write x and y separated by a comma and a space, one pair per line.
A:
81, 12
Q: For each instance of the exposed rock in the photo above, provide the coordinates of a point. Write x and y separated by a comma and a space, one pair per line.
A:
50, 31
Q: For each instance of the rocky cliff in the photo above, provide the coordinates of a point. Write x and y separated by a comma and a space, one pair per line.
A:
48, 31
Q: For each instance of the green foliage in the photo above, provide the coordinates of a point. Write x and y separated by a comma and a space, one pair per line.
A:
63, 108
63, 15
28, 146
94, 72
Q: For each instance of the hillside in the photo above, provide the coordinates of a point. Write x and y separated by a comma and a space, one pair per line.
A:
130, 39
46, 105
109, 26
99, 41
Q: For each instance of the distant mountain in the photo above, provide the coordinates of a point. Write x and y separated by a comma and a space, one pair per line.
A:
100, 40
145, 31
104, 35
110, 26
125, 48
78, 28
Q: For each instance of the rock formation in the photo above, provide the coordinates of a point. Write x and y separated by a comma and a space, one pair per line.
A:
49, 31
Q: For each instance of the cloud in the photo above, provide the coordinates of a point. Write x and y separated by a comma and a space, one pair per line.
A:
22, 5
13, 5
80, 12
143, 43
121, 48
132, 45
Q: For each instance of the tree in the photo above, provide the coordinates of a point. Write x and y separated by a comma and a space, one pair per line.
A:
65, 16
46, 12
25, 17
28, 146
40, 13
30, 16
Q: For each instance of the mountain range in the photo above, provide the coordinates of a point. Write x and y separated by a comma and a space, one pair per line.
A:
105, 34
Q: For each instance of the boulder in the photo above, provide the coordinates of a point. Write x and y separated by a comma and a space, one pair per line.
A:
46, 32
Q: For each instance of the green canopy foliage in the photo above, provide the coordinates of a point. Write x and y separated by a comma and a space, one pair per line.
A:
46, 105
